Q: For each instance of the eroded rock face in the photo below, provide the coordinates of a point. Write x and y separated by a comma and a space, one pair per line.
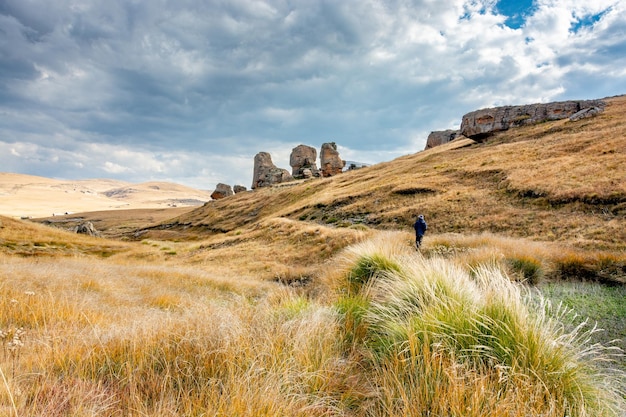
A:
441, 137
303, 158
266, 173
481, 123
239, 189
330, 162
221, 191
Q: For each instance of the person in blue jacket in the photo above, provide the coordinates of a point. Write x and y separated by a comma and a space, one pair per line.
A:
420, 228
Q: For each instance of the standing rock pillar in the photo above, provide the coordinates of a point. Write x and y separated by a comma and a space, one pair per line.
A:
330, 162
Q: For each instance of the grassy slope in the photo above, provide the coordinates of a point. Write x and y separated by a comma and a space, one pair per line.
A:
557, 181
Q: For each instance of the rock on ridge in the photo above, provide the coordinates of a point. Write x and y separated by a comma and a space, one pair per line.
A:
222, 191
330, 162
441, 137
266, 173
481, 123
302, 162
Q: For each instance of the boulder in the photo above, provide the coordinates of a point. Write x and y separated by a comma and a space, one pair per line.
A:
440, 137
221, 191
303, 157
86, 228
239, 189
266, 173
584, 113
330, 162
482, 123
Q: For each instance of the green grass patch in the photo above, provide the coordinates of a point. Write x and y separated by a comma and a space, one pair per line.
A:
601, 304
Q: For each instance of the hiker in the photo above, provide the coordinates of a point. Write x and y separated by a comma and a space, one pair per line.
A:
420, 228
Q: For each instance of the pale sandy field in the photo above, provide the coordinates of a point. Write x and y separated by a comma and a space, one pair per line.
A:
24, 196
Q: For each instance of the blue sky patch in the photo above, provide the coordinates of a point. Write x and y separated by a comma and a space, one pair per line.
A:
587, 21
516, 11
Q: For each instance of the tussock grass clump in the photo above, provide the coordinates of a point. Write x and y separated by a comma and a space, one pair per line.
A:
530, 261
446, 341
365, 260
591, 265
529, 268
361, 265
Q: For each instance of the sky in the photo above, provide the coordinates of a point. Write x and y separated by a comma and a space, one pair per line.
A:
189, 91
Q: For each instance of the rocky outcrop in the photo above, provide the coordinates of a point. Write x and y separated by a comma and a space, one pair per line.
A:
585, 113
481, 123
266, 173
86, 228
239, 189
303, 158
330, 162
221, 191
441, 137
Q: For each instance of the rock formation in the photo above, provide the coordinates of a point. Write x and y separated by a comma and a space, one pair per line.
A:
221, 191
584, 113
239, 189
440, 137
303, 158
86, 228
481, 123
330, 162
266, 173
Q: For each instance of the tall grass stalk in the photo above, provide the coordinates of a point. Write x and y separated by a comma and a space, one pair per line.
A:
9, 392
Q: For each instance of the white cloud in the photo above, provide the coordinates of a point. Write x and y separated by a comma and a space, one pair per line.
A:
113, 168
192, 90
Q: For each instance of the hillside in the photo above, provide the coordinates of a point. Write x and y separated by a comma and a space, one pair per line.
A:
32, 196
557, 181
309, 299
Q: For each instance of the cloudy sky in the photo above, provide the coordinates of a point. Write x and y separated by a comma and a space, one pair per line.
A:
190, 90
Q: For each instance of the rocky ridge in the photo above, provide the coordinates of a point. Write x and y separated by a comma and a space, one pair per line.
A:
482, 123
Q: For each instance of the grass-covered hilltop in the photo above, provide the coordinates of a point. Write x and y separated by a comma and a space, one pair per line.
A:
309, 298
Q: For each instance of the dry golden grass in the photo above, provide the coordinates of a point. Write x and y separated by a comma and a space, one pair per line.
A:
30, 239
122, 335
